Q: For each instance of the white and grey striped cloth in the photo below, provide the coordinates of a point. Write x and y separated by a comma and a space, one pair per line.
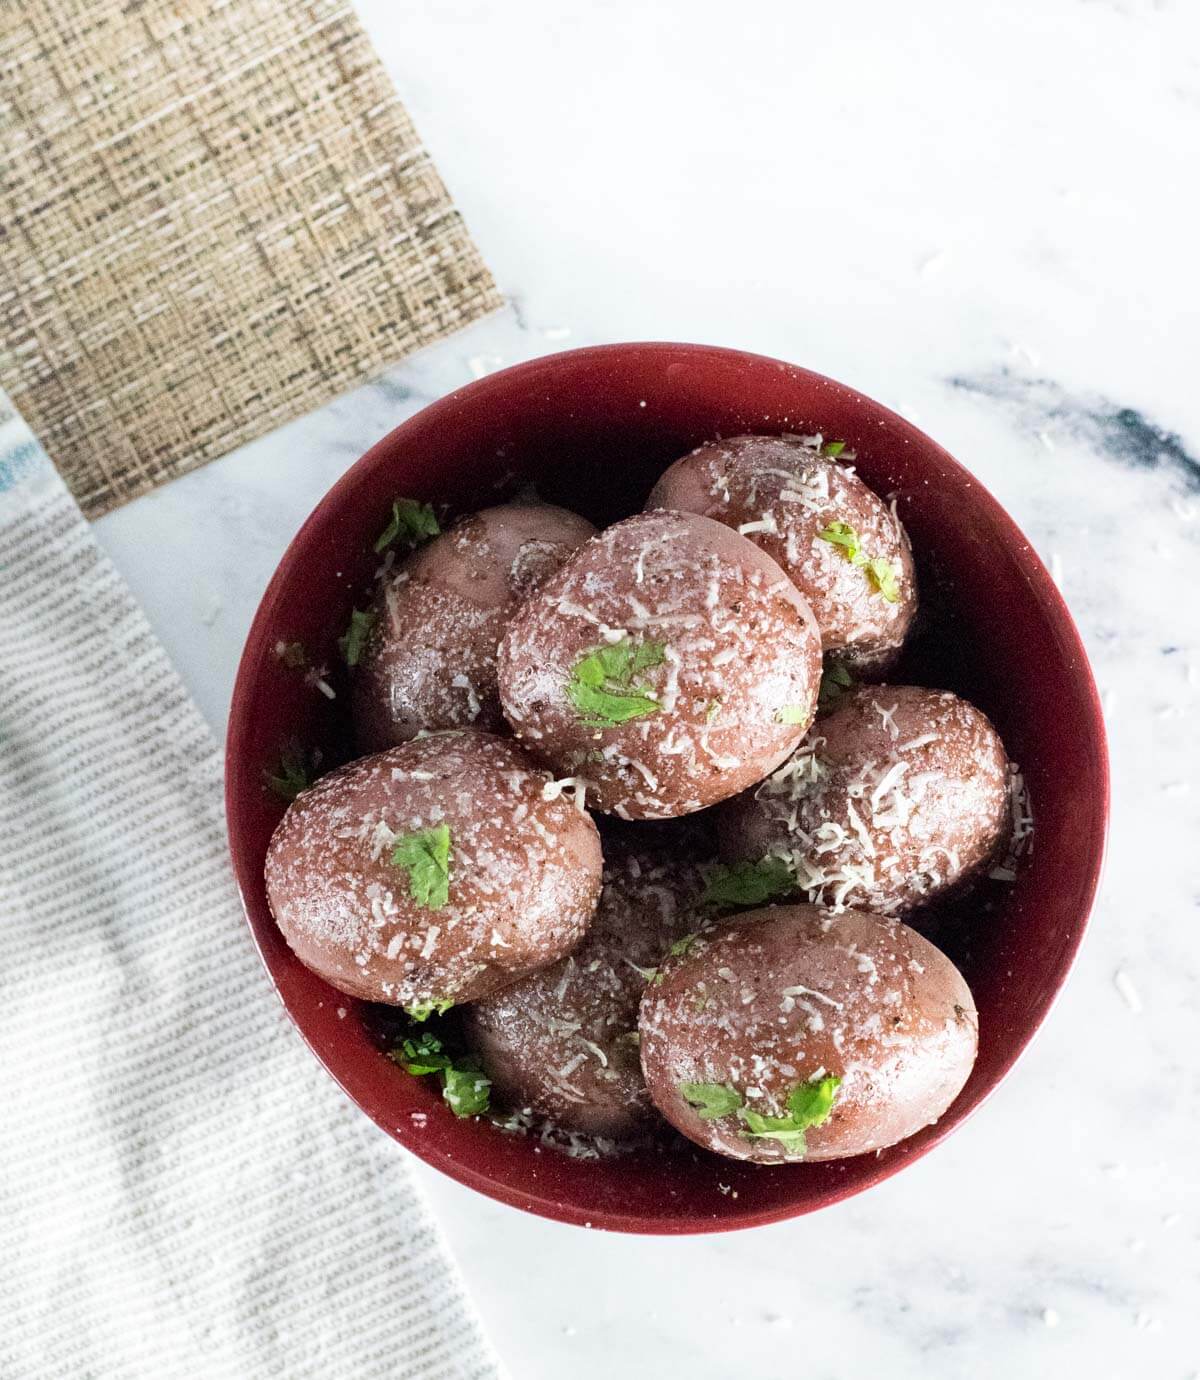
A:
183, 1191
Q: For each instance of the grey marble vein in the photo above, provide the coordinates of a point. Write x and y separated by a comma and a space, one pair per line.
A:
1120, 433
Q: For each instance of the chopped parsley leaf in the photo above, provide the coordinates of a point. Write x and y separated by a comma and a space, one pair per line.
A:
884, 578
464, 1087
422, 1010
422, 1055
714, 708
414, 522
426, 856
808, 1104
681, 946
792, 714
466, 1090
748, 883
833, 449
843, 535
711, 1100
291, 776
354, 639
602, 686
834, 684
879, 570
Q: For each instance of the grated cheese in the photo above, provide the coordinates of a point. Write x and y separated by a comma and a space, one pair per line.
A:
888, 717
576, 785
810, 992
766, 523
913, 743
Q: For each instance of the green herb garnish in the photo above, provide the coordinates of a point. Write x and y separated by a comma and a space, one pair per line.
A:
879, 570
354, 639
466, 1091
422, 1010
602, 686
748, 883
834, 684
711, 1100
291, 776
833, 449
808, 1104
414, 522
422, 1055
884, 578
792, 714
681, 946
426, 855
714, 708
843, 535
465, 1088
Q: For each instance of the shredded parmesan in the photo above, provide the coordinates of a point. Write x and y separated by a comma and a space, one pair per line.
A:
864, 836
461, 682
1129, 993
577, 785
381, 838
766, 523
888, 717
810, 992
596, 1050
570, 1066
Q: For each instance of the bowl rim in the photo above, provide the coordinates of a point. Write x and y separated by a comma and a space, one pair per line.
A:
1094, 845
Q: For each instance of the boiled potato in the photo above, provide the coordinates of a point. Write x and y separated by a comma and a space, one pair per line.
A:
897, 795
790, 1033
837, 540
667, 665
429, 660
433, 873
563, 1042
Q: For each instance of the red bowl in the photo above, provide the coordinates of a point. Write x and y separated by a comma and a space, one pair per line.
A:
594, 428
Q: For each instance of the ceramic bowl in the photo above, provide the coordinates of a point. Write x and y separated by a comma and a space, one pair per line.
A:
593, 429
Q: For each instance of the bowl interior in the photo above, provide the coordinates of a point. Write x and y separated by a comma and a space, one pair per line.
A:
593, 429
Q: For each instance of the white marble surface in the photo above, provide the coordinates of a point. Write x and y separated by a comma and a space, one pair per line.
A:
986, 217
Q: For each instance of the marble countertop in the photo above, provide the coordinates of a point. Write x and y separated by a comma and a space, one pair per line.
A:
986, 218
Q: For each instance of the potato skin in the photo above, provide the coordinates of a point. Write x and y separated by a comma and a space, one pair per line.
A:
525, 872
741, 651
580, 1014
786, 482
430, 659
856, 996
941, 824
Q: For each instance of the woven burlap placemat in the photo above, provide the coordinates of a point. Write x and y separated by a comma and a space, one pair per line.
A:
214, 215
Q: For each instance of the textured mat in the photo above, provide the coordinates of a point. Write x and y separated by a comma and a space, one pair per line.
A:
214, 215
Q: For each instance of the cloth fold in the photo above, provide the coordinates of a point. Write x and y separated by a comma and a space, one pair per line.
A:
183, 1191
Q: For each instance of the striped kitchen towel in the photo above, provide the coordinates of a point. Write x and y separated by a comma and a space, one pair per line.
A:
183, 1191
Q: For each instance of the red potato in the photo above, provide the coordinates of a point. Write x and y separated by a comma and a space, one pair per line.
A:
667, 665
433, 873
783, 492
563, 1042
429, 661
897, 795
792, 1033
